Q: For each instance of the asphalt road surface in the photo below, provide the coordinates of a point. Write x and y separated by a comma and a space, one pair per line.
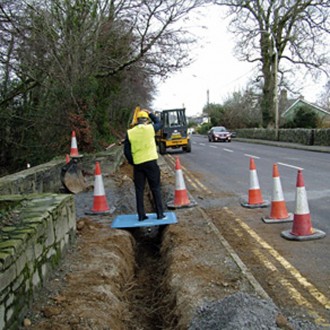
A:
229, 164
220, 171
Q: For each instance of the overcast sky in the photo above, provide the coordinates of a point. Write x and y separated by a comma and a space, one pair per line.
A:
215, 70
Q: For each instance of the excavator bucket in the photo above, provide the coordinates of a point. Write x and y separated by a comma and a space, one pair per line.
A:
134, 119
72, 177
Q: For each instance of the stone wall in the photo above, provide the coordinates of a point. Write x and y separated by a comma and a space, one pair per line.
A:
37, 179
35, 232
37, 225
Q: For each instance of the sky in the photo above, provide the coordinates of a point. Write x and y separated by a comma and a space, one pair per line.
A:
215, 73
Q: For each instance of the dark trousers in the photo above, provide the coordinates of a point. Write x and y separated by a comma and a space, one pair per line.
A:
151, 172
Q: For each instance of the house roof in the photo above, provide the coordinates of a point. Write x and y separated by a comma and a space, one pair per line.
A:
294, 105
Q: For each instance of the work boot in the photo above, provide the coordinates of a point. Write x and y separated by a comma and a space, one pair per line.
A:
144, 217
161, 216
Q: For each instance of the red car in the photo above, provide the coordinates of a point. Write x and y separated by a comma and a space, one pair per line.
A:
219, 133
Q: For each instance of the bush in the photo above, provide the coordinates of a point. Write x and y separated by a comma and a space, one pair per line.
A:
304, 118
204, 128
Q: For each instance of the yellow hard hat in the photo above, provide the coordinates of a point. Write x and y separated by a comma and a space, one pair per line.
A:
142, 114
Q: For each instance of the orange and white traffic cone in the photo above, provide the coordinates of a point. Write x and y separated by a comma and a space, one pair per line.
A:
302, 229
255, 199
181, 198
278, 211
74, 147
100, 204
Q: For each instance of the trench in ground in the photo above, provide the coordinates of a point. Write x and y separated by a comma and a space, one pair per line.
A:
151, 303
150, 307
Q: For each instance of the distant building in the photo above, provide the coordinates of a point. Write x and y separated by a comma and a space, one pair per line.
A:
289, 113
198, 119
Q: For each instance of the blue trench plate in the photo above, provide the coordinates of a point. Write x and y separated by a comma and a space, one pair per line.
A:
131, 220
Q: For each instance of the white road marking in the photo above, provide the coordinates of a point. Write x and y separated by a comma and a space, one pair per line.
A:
288, 165
228, 150
214, 147
247, 155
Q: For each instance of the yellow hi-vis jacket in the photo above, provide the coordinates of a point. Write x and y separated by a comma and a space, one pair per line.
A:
143, 145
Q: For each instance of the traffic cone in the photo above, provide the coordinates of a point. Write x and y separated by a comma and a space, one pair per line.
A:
255, 199
278, 211
74, 147
100, 204
302, 229
181, 198
67, 159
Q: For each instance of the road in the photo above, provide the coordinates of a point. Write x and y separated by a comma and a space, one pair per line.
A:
229, 163
217, 174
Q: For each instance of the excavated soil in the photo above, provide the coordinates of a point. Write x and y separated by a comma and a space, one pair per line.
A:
180, 276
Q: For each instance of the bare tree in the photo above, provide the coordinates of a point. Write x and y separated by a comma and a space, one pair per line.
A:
279, 34
242, 109
70, 39
325, 96
83, 64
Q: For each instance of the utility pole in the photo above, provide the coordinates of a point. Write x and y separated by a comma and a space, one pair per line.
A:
207, 104
276, 94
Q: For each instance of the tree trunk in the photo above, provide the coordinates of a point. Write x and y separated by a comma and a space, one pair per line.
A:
268, 90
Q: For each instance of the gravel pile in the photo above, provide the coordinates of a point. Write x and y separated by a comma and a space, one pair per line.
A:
243, 311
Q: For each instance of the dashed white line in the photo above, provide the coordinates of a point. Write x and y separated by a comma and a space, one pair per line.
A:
228, 150
288, 165
252, 156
